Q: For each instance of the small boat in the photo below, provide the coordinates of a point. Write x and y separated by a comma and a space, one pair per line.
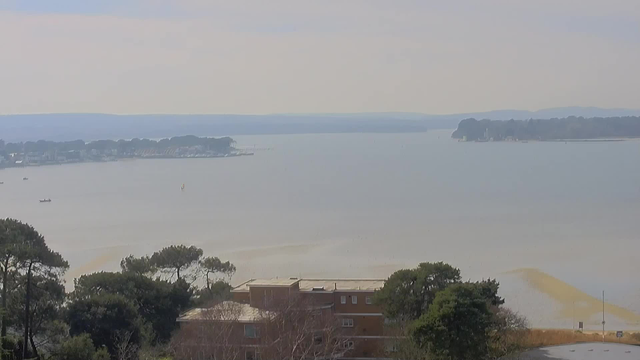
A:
182, 187
25, 178
45, 200
1, 182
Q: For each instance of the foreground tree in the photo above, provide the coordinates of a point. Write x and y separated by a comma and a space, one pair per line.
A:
216, 276
458, 324
509, 333
32, 258
215, 270
11, 254
158, 302
102, 316
176, 259
216, 293
76, 348
140, 266
46, 328
407, 293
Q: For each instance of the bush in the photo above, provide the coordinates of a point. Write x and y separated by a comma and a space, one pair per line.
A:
76, 348
102, 317
101, 354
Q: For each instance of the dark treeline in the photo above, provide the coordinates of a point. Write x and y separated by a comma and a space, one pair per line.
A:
221, 145
130, 314
553, 129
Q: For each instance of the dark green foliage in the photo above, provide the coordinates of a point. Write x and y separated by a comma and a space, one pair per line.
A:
11, 348
105, 307
446, 319
101, 354
10, 254
45, 319
407, 293
140, 266
25, 255
566, 128
457, 325
176, 259
76, 348
489, 289
102, 316
215, 293
158, 302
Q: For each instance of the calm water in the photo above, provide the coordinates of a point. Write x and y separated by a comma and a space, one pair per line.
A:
357, 205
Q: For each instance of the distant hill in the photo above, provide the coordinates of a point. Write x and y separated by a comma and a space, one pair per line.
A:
64, 127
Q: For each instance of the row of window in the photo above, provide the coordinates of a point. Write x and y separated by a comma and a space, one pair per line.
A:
354, 300
347, 322
252, 331
255, 354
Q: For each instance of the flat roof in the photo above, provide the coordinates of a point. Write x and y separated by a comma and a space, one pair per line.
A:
225, 311
331, 285
342, 284
583, 351
272, 282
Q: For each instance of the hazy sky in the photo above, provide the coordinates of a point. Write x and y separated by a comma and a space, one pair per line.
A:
234, 56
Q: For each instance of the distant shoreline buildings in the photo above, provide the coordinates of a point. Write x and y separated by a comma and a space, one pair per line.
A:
55, 153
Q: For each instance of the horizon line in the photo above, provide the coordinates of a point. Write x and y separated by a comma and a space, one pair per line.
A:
319, 113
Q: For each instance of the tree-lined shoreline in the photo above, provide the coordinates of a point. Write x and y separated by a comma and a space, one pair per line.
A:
565, 129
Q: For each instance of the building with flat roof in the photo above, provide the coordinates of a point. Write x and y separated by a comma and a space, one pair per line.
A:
348, 301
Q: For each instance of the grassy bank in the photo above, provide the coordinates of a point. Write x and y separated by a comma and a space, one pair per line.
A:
540, 337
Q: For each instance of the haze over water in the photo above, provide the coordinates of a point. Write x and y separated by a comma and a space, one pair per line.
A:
360, 205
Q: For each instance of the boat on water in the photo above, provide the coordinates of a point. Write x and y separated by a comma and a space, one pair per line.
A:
45, 200
182, 187
25, 178
1, 182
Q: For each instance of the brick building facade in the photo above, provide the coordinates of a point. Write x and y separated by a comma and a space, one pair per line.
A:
348, 301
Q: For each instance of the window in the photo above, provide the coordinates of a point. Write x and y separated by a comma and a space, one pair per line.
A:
347, 322
368, 300
392, 348
249, 355
343, 299
251, 331
354, 299
348, 345
317, 339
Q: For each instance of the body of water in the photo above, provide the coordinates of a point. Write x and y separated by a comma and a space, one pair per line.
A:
361, 205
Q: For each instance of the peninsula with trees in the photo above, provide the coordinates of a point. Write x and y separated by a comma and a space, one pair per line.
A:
33, 153
569, 128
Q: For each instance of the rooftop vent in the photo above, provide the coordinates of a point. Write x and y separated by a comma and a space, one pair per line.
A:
318, 288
